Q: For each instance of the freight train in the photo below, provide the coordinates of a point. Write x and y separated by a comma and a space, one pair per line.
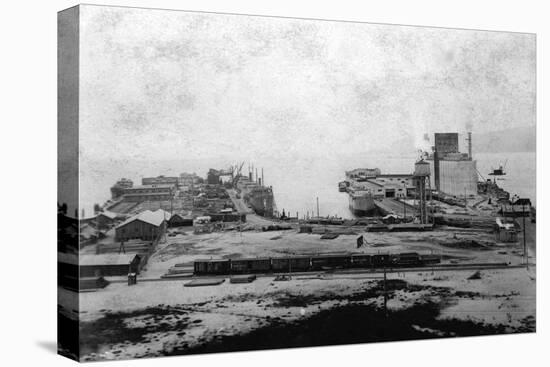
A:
311, 263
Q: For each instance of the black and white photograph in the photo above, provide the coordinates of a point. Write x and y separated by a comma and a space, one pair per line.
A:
235, 182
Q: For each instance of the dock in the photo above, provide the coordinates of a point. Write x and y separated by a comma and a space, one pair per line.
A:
393, 206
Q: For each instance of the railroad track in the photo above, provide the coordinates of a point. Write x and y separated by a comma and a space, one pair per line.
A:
337, 272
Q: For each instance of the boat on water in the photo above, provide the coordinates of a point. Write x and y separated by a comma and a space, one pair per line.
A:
361, 198
260, 198
361, 201
343, 186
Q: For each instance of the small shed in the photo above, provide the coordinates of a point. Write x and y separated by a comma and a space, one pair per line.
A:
505, 230
109, 265
105, 219
180, 220
202, 220
146, 226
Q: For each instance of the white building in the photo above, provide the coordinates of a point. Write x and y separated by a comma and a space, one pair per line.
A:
456, 177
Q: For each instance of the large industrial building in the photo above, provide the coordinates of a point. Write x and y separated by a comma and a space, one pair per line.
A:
149, 193
160, 180
118, 189
388, 185
452, 172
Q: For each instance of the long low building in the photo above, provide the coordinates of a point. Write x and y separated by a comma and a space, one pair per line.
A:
108, 265
149, 192
388, 185
160, 180
146, 226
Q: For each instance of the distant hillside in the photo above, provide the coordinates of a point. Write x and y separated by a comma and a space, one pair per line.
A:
510, 140
502, 141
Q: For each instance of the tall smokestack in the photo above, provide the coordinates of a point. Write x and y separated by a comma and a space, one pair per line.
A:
263, 182
256, 175
436, 169
470, 145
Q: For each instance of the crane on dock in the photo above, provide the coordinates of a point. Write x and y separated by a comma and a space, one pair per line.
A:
499, 171
236, 173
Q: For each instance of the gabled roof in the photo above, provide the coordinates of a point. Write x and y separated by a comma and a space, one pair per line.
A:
181, 216
155, 218
107, 214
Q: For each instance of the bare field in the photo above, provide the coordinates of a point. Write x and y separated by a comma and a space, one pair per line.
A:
166, 318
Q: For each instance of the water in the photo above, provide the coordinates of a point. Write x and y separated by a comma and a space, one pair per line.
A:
298, 183
520, 171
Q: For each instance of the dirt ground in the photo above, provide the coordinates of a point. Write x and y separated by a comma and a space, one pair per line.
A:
166, 318
185, 247
159, 318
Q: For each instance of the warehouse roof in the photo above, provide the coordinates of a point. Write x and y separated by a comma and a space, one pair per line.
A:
107, 214
107, 259
155, 218
182, 216
152, 186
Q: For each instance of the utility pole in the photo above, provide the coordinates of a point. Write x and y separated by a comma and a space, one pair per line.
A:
171, 205
385, 294
289, 267
317, 207
524, 238
404, 205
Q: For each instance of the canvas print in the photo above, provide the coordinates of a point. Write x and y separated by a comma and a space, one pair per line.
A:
235, 182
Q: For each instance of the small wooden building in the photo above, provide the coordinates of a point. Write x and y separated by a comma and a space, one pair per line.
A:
506, 230
146, 226
105, 219
180, 220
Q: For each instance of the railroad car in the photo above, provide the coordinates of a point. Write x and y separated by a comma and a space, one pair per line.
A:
430, 259
380, 260
261, 265
326, 262
311, 263
290, 264
280, 264
239, 266
256, 265
360, 261
406, 259
300, 263
202, 267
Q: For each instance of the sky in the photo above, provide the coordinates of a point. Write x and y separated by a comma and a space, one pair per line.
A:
157, 84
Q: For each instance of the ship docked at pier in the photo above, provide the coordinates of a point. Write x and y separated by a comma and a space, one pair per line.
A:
361, 201
255, 193
361, 198
366, 187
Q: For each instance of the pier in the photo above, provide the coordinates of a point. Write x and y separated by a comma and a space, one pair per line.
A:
394, 206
